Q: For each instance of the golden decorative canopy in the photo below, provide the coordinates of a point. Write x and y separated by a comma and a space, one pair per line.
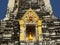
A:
30, 16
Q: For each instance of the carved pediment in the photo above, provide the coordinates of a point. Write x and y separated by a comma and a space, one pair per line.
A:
30, 16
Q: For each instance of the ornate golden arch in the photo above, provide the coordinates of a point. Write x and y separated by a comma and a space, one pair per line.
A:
30, 17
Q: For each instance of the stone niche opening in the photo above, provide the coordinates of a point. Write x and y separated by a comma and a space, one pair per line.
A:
30, 27
30, 32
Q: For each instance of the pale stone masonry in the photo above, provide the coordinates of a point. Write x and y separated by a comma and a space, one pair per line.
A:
10, 28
